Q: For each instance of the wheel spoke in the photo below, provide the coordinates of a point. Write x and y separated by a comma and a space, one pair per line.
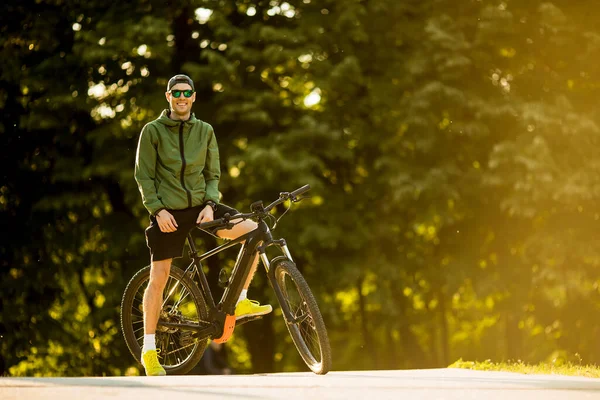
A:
138, 306
313, 340
164, 352
180, 348
171, 290
181, 297
140, 338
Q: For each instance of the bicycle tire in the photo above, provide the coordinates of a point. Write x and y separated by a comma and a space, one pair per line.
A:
163, 339
309, 335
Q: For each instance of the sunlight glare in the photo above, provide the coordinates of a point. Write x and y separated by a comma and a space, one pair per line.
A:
313, 98
97, 91
203, 15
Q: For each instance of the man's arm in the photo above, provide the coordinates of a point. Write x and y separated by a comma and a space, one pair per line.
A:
212, 169
145, 169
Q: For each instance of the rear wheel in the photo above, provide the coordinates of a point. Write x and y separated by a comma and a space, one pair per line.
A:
178, 350
306, 325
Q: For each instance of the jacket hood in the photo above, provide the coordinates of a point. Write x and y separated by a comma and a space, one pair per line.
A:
165, 120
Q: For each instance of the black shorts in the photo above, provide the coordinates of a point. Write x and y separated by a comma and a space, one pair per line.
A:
164, 245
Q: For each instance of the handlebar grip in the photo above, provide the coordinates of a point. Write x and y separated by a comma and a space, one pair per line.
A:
300, 191
206, 225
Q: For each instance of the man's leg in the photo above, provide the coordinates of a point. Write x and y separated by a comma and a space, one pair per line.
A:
245, 307
153, 298
234, 233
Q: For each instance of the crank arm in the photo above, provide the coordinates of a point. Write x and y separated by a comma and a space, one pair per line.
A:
200, 329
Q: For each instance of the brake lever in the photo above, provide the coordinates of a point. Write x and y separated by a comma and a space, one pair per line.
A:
299, 199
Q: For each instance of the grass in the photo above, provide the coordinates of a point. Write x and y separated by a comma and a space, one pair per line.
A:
556, 368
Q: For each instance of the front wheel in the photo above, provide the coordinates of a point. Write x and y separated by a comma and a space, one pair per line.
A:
306, 325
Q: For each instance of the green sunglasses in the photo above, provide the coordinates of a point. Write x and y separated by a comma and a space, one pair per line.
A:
178, 93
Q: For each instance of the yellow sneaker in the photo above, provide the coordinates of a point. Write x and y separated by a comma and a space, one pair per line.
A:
251, 308
151, 364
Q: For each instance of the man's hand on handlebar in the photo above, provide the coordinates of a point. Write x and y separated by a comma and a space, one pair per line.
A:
205, 215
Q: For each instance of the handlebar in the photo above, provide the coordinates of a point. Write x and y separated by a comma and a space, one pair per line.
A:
300, 191
211, 224
283, 196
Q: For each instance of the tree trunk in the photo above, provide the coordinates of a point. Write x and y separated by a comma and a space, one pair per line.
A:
444, 341
414, 357
368, 344
182, 30
513, 337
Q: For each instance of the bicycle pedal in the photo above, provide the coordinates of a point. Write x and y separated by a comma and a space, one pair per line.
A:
243, 320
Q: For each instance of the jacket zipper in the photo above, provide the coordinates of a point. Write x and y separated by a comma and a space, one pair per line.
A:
181, 150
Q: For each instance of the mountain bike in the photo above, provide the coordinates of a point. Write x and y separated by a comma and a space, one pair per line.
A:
189, 317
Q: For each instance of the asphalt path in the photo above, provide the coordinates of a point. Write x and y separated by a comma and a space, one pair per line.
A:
432, 384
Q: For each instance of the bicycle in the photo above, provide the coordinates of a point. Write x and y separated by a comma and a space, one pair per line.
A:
190, 317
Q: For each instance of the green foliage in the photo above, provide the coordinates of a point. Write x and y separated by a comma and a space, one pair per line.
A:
452, 150
556, 367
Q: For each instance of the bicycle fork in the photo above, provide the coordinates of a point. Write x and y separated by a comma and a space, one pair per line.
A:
290, 318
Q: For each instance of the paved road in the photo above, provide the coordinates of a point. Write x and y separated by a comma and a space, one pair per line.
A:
433, 384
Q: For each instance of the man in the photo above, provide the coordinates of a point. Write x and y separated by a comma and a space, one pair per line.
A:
177, 171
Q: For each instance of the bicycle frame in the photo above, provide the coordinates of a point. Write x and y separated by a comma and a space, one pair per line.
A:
252, 243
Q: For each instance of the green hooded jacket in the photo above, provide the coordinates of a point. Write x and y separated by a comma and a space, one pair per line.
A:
177, 164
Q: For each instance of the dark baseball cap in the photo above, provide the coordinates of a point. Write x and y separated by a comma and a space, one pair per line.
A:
180, 78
